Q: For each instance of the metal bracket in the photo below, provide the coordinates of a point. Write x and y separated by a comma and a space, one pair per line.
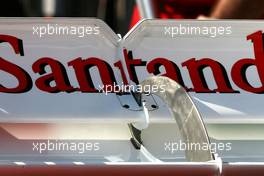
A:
133, 101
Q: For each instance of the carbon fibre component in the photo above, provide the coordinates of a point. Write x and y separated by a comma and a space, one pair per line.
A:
186, 115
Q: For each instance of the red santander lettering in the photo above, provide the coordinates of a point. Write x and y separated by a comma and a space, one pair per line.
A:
83, 68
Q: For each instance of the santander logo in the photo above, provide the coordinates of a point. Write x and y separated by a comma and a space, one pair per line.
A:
82, 69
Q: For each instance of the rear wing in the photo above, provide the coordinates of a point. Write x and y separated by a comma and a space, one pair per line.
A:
78, 71
50, 72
